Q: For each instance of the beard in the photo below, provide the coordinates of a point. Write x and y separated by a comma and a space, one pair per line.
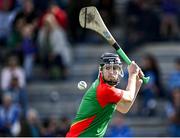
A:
112, 80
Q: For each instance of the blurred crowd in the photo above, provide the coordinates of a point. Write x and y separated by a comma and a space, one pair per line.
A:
151, 21
31, 33
43, 33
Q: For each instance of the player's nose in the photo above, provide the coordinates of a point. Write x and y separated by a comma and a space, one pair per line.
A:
111, 71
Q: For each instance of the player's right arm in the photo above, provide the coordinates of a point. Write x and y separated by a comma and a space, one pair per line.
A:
132, 89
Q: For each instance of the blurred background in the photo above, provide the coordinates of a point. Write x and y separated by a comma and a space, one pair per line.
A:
44, 53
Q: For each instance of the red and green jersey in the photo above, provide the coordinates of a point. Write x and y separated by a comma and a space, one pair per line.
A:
95, 111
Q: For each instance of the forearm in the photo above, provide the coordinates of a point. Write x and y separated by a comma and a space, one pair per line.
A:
134, 84
131, 87
135, 95
124, 106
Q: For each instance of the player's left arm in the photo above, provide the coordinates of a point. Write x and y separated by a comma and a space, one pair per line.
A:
124, 106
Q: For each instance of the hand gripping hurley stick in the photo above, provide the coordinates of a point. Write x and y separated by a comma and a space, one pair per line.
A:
90, 18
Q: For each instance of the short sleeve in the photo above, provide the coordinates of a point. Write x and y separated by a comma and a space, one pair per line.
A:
113, 95
108, 94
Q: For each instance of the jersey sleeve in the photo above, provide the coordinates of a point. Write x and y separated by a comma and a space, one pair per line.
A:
108, 94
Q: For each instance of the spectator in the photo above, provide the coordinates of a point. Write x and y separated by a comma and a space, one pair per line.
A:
25, 16
55, 50
12, 70
19, 94
174, 77
173, 113
13, 81
75, 31
63, 126
15, 39
139, 25
151, 90
59, 14
31, 124
119, 128
106, 8
7, 14
49, 128
9, 117
29, 49
169, 28
28, 14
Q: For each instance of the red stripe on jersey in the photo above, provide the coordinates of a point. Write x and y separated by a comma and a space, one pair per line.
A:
78, 127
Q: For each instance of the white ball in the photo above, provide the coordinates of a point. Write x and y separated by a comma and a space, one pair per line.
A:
82, 85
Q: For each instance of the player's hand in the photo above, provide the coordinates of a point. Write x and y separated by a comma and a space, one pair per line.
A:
140, 74
139, 81
133, 69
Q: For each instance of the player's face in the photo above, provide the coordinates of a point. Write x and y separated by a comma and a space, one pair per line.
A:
111, 72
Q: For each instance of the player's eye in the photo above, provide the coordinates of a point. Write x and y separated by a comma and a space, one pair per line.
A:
107, 67
116, 68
